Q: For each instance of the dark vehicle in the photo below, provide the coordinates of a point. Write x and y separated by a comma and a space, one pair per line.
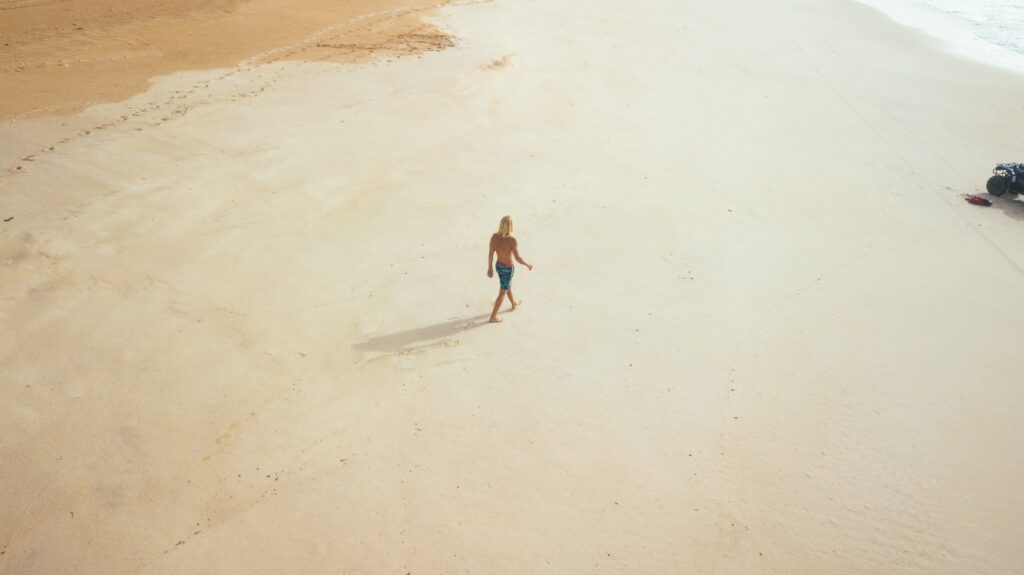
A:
1007, 178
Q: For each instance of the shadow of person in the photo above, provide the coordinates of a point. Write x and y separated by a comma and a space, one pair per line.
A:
1009, 204
412, 339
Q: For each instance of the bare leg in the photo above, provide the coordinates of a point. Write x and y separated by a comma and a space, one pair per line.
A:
497, 306
512, 299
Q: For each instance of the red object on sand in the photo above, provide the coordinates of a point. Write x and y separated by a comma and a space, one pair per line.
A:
978, 201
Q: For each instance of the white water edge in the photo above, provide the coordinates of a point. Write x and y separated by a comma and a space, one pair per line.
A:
986, 31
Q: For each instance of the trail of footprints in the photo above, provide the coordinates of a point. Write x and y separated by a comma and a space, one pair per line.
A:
153, 114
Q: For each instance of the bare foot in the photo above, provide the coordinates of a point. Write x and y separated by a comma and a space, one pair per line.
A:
495, 319
516, 304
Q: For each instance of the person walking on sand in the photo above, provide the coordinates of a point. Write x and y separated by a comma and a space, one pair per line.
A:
506, 246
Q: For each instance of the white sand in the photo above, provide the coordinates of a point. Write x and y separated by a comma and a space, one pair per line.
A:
764, 333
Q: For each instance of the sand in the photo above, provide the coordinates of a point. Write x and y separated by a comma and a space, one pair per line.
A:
764, 333
60, 56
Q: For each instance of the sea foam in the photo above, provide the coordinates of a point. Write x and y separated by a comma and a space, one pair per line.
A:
991, 31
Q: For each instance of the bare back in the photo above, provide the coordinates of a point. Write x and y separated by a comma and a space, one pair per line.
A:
504, 247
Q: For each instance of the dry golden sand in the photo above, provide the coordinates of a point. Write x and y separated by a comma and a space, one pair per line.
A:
242, 312
58, 56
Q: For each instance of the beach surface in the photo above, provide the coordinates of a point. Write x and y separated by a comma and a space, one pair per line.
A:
61, 56
244, 307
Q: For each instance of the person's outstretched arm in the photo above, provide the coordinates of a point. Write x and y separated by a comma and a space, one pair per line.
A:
515, 254
490, 258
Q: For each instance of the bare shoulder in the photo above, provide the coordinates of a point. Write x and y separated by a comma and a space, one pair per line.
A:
513, 241
494, 239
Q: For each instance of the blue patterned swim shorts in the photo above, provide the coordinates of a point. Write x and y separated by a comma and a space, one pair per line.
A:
504, 275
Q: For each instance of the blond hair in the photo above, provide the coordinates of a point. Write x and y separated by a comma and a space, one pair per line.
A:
507, 227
